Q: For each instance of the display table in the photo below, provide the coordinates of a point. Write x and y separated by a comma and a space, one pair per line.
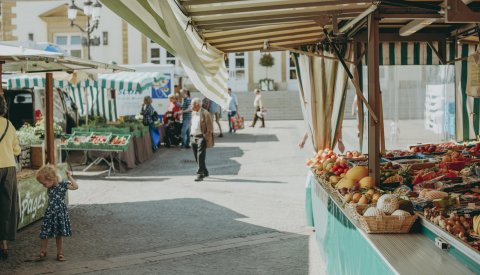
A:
32, 196
347, 249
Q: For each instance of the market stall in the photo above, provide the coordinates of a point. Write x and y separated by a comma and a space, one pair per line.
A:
341, 43
32, 196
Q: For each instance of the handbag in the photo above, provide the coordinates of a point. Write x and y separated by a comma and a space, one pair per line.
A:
262, 113
238, 122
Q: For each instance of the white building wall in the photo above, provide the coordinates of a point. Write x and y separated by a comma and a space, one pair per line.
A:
28, 20
111, 23
134, 46
274, 72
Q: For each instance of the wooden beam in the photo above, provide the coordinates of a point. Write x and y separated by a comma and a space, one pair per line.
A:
458, 12
203, 2
200, 21
265, 33
407, 13
257, 30
265, 22
279, 38
373, 97
276, 44
49, 135
272, 7
394, 37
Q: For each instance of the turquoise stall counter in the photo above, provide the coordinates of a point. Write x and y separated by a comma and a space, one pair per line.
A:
347, 249
32, 196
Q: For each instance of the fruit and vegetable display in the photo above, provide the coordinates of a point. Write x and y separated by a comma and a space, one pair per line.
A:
436, 182
97, 141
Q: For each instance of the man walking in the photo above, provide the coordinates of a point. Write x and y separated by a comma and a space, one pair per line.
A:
232, 109
201, 135
187, 118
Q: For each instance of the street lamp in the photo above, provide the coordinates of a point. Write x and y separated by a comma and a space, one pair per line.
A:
92, 11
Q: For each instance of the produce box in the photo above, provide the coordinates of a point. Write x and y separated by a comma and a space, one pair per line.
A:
119, 142
79, 140
416, 162
99, 140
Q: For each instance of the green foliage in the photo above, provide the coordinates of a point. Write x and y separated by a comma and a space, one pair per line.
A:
267, 60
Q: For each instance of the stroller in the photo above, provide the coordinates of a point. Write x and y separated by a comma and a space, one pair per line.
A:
173, 130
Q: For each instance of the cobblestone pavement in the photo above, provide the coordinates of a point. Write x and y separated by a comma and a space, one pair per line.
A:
246, 218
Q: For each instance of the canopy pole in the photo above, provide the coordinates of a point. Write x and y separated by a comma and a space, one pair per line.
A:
358, 90
1, 73
49, 135
373, 97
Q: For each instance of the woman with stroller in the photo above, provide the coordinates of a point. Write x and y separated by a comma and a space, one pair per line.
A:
171, 123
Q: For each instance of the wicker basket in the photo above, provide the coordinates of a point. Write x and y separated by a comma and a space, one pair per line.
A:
383, 224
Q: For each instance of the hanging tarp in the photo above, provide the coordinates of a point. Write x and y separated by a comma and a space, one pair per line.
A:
322, 84
164, 23
129, 81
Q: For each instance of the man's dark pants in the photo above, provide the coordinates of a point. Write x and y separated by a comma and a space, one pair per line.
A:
199, 147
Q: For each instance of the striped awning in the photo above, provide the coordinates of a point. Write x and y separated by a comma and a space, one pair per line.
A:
130, 81
33, 81
164, 23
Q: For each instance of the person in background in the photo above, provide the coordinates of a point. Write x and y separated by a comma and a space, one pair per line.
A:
216, 113
186, 113
232, 109
202, 136
56, 221
148, 114
171, 122
258, 104
9, 148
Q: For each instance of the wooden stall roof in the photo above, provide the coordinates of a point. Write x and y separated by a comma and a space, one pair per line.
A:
247, 25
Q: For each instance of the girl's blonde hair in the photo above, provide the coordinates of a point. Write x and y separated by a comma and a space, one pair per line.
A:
48, 172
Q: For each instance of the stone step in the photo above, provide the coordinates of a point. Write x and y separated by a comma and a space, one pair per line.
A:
280, 105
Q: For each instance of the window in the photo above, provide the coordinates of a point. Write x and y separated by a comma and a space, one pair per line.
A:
105, 38
61, 40
76, 40
155, 53
70, 43
158, 55
170, 58
30, 37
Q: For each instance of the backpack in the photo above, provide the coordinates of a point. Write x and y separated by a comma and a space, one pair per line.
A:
155, 116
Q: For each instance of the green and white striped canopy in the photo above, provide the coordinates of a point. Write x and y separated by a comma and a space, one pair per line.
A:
33, 81
130, 81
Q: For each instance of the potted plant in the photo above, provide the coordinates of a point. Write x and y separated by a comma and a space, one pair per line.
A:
267, 61
27, 138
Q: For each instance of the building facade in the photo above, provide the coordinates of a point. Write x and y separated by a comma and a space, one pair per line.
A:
118, 42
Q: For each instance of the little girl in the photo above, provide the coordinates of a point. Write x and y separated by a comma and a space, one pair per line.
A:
56, 222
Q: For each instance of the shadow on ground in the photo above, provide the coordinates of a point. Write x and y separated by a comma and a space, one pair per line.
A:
102, 231
175, 162
248, 138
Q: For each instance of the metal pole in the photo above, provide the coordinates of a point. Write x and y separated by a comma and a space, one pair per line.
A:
373, 97
88, 38
49, 135
1, 72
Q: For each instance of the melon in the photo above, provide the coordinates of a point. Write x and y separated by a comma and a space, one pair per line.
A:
400, 213
372, 212
388, 203
345, 183
367, 183
357, 173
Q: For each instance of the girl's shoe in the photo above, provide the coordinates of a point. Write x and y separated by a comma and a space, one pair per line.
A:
61, 258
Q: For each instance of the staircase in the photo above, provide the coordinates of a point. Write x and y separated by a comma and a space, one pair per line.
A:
280, 105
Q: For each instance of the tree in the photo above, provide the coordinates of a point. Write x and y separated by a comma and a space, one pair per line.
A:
267, 61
